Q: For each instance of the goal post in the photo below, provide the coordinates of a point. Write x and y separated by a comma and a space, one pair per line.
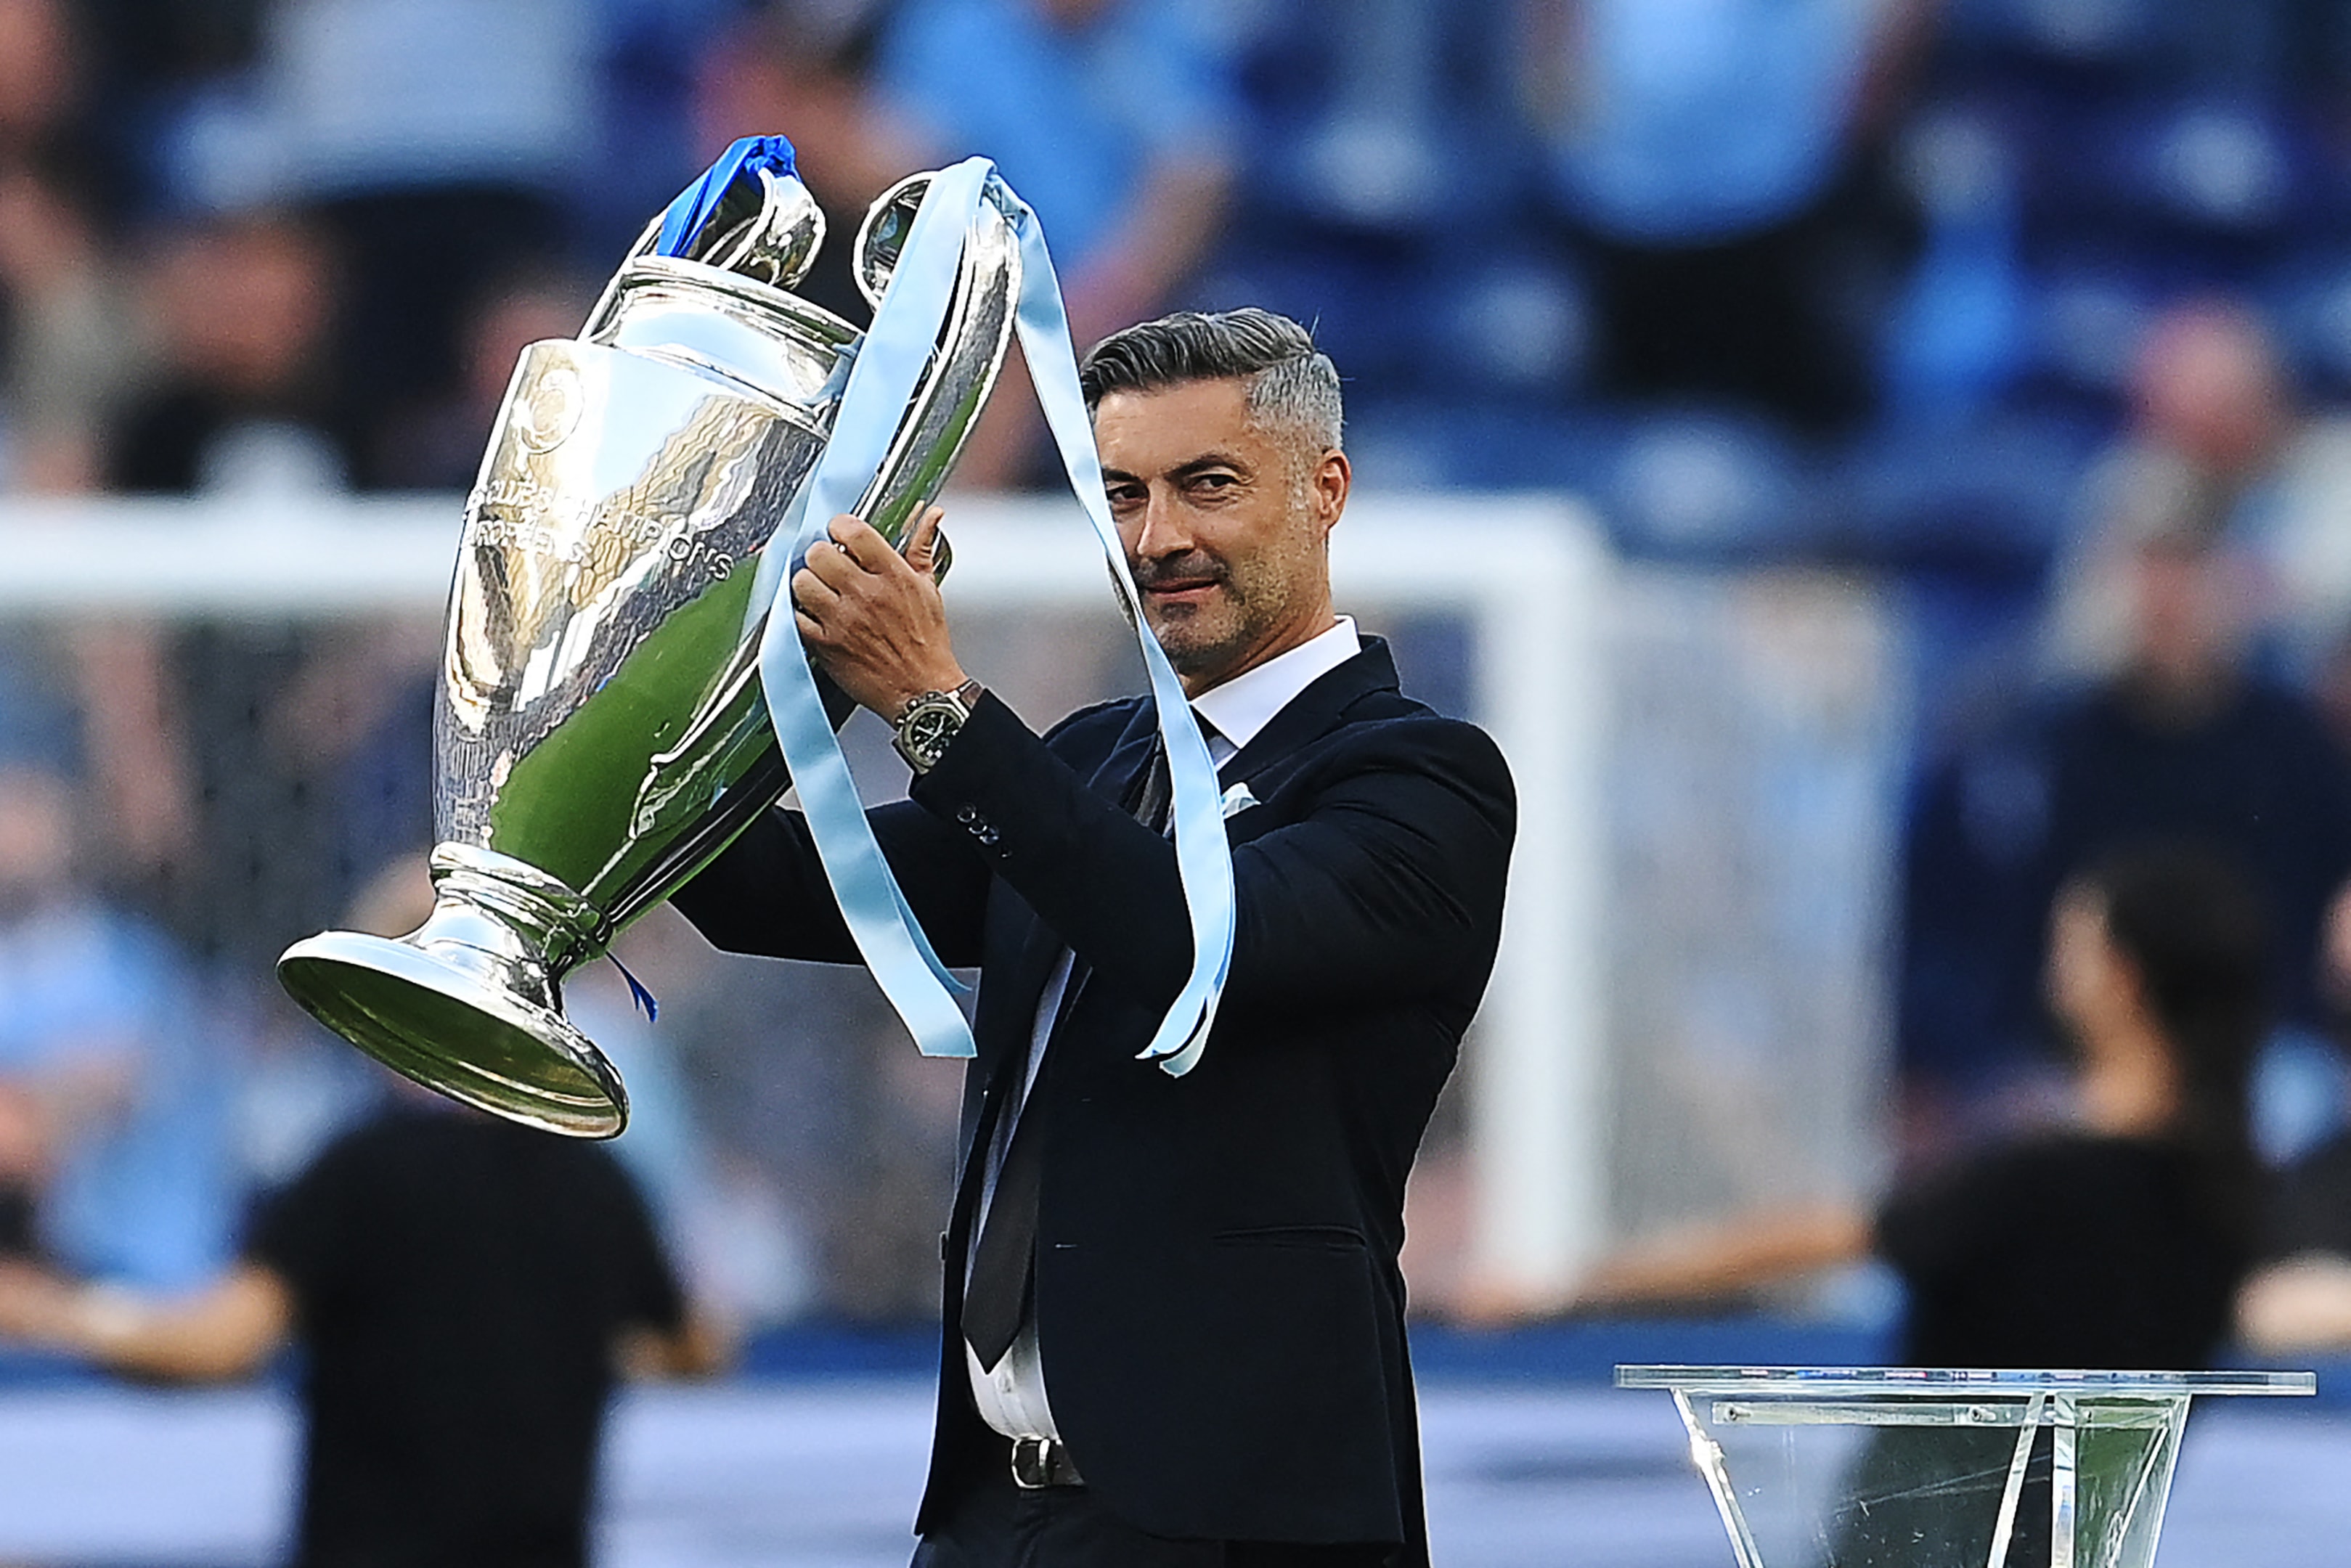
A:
1528, 577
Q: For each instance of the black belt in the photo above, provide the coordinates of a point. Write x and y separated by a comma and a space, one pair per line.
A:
1042, 1462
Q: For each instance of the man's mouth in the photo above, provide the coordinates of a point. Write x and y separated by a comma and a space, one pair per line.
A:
1170, 585
1180, 589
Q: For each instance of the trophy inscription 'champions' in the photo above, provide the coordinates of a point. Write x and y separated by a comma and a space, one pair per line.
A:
600, 733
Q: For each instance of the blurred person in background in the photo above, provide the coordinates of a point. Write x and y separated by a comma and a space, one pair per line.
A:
805, 68
438, 445
41, 80
2114, 1241
113, 1108
77, 347
244, 396
1115, 119
436, 141
1718, 169
250, 736
2298, 1303
71, 337
466, 1290
73, 347
2211, 416
2174, 729
233, 391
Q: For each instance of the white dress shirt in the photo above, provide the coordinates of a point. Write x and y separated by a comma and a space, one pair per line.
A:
1245, 704
1011, 1395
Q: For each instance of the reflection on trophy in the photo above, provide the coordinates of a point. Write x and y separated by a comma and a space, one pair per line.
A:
600, 732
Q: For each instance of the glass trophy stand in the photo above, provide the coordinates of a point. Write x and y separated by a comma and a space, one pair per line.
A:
1895, 1468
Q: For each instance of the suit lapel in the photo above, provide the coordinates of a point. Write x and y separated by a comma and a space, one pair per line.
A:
1024, 982
1119, 777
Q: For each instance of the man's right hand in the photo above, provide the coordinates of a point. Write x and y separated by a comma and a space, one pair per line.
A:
873, 619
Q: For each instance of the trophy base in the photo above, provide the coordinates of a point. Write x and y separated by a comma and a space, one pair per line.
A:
448, 1030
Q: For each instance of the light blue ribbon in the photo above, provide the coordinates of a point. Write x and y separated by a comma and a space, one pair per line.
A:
881, 383
1203, 857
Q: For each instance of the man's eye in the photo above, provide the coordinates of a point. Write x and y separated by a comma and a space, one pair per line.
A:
1214, 483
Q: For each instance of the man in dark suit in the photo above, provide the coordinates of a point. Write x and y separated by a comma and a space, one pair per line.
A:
1202, 1267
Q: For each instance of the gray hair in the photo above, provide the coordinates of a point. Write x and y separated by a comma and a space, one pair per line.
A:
1292, 386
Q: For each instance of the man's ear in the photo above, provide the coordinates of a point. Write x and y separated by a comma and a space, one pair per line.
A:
1332, 476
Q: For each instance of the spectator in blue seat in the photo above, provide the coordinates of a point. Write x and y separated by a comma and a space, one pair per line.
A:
1717, 165
113, 1106
1115, 119
807, 70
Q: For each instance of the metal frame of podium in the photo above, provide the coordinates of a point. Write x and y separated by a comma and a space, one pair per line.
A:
2074, 1406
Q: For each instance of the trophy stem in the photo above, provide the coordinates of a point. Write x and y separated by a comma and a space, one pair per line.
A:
470, 1003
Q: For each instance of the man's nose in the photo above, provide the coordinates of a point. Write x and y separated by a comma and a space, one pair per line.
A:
1166, 529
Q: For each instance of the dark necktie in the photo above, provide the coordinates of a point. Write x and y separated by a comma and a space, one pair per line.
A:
1004, 1264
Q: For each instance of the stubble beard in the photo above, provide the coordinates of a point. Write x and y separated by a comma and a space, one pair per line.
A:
1195, 637
1208, 640
1199, 638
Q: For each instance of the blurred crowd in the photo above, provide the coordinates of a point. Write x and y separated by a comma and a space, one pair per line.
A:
2035, 313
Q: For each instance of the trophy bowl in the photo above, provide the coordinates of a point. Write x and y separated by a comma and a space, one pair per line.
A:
600, 732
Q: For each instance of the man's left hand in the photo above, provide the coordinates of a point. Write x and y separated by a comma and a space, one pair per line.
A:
873, 619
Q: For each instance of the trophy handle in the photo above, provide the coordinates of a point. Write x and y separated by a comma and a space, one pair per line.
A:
775, 244
964, 362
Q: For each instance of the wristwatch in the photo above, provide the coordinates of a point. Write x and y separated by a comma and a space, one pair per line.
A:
930, 722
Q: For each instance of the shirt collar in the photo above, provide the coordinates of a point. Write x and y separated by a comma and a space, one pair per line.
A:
1245, 704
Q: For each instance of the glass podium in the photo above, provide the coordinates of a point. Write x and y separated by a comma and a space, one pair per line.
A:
1818, 1467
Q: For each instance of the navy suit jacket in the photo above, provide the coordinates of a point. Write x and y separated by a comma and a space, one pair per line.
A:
1219, 1308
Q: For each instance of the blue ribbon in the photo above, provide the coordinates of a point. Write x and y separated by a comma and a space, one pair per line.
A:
682, 219
646, 1004
882, 381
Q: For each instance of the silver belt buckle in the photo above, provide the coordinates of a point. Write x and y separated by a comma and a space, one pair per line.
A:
1042, 1462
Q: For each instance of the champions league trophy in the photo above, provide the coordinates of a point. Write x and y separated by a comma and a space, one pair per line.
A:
600, 733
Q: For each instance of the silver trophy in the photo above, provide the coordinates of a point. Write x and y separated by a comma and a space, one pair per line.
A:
600, 733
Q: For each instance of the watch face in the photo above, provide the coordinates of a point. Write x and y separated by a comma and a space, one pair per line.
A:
928, 732
926, 728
